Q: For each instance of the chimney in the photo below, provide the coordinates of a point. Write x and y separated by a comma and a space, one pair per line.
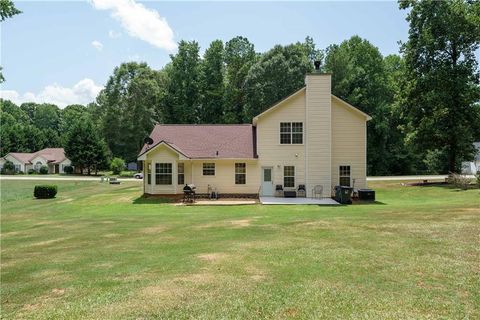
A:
317, 64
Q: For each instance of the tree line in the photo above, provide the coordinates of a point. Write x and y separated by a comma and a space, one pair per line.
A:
424, 102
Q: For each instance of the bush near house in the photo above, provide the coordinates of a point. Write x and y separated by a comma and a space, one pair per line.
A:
477, 176
68, 169
31, 171
8, 168
43, 170
117, 165
45, 191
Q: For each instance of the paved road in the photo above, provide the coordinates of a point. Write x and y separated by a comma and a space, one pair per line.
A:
66, 178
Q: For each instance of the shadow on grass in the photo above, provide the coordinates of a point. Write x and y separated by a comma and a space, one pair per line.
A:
447, 186
152, 200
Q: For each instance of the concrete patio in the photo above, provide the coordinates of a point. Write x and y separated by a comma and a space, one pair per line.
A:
275, 200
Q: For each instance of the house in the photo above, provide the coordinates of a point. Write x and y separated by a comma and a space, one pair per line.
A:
53, 158
310, 138
472, 167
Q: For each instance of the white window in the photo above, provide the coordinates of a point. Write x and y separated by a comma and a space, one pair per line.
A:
17, 168
289, 176
163, 173
344, 174
38, 165
181, 173
149, 173
208, 169
240, 173
291, 132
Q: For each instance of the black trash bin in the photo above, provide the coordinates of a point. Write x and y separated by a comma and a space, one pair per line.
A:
343, 194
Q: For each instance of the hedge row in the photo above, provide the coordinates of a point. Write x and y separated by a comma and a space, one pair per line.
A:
45, 191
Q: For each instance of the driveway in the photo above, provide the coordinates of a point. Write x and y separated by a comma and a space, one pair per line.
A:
57, 178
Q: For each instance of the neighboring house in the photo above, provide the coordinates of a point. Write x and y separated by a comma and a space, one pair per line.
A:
309, 138
472, 167
53, 158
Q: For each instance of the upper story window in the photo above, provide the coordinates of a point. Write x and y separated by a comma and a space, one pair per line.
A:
208, 169
291, 132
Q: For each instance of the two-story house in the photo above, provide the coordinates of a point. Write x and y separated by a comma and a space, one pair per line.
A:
310, 138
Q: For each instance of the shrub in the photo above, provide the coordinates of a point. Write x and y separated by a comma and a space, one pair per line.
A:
9, 167
127, 174
43, 170
68, 169
31, 171
478, 178
117, 165
459, 180
45, 191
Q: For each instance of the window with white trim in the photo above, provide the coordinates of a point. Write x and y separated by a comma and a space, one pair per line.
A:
208, 169
163, 173
289, 176
149, 173
344, 176
291, 132
181, 173
240, 173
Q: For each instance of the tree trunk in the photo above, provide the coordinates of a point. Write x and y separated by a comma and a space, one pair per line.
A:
452, 159
88, 170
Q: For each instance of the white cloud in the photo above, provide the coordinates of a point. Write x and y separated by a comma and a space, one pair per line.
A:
140, 22
97, 45
83, 92
114, 35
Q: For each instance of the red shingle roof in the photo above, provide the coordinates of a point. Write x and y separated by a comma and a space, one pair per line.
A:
53, 155
203, 141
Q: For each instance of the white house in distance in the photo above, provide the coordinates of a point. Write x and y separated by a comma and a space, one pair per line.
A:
472, 167
53, 158
310, 138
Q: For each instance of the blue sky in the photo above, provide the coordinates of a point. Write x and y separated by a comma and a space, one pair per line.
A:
64, 51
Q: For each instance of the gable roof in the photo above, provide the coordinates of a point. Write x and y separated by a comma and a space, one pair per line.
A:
234, 141
279, 103
52, 155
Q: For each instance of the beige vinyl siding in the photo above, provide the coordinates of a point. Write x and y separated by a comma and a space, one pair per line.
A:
23, 167
161, 154
348, 144
318, 114
273, 154
224, 178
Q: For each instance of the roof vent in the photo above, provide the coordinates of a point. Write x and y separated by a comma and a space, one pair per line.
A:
317, 65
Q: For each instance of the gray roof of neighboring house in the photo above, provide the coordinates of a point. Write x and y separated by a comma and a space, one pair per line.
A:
204, 141
477, 155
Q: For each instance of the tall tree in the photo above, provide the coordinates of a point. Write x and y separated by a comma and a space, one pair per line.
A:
239, 57
129, 107
183, 93
85, 146
443, 76
277, 74
212, 84
359, 77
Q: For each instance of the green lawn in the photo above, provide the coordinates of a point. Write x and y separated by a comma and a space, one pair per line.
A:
98, 251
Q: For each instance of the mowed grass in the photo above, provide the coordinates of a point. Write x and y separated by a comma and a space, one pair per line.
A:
98, 251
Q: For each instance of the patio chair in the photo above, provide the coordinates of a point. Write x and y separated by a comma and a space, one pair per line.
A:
317, 191
279, 191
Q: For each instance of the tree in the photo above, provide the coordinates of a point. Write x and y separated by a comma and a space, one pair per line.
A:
212, 84
277, 74
85, 147
183, 92
68, 116
129, 108
443, 79
359, 77
239, 57
117, 165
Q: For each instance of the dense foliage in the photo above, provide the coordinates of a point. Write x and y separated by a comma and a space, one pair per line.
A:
424, 103
117, 165
45, 191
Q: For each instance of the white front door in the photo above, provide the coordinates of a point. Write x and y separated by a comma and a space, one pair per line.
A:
267, 181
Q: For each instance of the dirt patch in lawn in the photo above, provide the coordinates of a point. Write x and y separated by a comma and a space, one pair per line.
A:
65, 200
47, 242
235, 224
153, 230
212, 257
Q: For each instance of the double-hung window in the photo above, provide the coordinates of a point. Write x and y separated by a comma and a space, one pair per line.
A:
208, 169
240, 173
289, 176
163, 173
149, 173
291, 132
344, 174
181, 173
